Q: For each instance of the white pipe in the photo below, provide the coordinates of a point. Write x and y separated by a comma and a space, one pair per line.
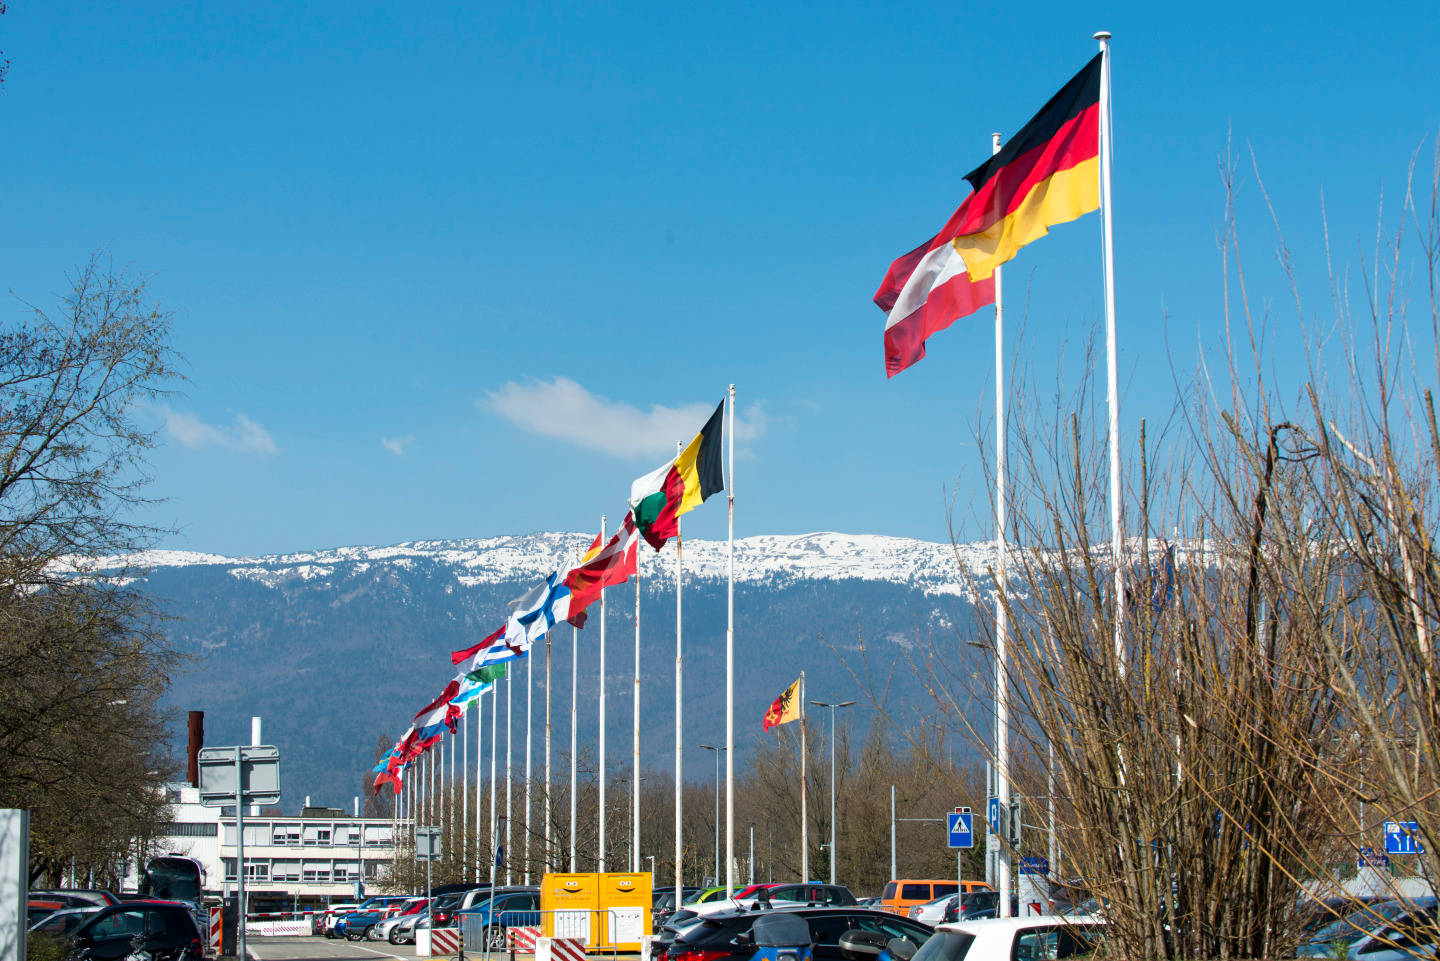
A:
730, 662
600, 767
1002, 626
679, 710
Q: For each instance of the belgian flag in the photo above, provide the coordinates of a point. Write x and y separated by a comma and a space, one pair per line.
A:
1048, 173
659, 498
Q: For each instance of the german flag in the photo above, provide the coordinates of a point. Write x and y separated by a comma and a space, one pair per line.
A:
1047, 174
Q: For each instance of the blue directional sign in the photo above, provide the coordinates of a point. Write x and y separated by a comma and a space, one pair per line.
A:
992, 814
1035, 865
961, 825
1370, 858
1403, 837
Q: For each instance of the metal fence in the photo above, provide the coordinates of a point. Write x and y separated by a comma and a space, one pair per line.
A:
600, 930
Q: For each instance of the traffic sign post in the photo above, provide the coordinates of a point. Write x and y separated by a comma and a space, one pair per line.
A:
427, 849
240, 775
960, 824
1403, 837
1370, 858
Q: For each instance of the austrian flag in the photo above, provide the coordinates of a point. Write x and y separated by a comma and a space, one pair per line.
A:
926, 291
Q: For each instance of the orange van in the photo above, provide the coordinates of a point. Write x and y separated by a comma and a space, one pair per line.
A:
901, 895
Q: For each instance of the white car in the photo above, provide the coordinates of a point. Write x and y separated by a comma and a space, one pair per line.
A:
1045, 937
932, 912
332, 914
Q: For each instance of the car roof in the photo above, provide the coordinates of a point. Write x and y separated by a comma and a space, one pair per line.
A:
1018, 924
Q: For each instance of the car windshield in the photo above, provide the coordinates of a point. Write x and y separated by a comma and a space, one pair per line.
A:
946, 946
1351, 928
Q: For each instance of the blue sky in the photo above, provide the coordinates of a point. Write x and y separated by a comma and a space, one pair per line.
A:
453, 271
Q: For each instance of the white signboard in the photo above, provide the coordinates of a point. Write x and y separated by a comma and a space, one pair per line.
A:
14, 882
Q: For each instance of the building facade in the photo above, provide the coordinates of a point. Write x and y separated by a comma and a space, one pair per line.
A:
302, 861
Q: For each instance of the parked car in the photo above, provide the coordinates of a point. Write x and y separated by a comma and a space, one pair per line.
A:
78, 897
1047, 937
936, 911
163, 930
980, 905
441, 912
38, 909
903, 894
811, 893
662, 904
333, 914
725, 936
1394, 931
356, 925
503, 911
404, 930
382, 930
64, 921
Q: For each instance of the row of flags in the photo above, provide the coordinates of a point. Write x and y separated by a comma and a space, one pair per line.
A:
1047, 174
656, 502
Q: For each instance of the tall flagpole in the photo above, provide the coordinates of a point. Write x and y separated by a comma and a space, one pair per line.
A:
1002, 626
494, 811
479, 778
549, 808
730, 662
509, 811
464, 790
679, 707
635, 744
600, 768
804, 790
449, 792
1117, 542
574, 739
529, 716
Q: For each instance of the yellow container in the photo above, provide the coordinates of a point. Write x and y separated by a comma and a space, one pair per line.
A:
605, 911
567, 905
625, 903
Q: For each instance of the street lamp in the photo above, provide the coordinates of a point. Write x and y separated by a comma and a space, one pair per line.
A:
832, 708
717, 750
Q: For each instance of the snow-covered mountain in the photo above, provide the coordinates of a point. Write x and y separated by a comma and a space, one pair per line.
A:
929, 567
338, 648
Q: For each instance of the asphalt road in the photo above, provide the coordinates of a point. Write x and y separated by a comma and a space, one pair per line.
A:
324, 949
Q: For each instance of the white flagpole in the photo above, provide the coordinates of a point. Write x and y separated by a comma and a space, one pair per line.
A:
464, 791
529, 716
450, 789
679, 705
574, 738
730, 661
1117, 542
600, 768
549, 807
509, 810
479, 779
1002, 625
635, 744
494, 783
804, 790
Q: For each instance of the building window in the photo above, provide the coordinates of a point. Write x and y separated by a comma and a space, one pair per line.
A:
285, 870
257, 870
314, 834
316, 871
229, 868
180, 829
286, 834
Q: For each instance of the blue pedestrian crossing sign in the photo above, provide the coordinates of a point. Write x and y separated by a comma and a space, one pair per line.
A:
961, 825
1403, 837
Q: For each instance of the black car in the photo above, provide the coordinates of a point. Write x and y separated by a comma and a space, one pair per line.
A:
725, 936
164, 930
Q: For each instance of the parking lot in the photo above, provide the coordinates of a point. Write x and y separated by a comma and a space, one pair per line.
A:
304, 948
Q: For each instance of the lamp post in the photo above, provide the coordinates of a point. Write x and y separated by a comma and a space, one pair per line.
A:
717, 750
832, 708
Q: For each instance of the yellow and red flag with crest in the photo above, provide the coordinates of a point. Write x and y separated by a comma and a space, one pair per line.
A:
786, 707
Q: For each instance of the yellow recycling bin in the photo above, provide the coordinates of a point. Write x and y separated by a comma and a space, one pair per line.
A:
625, 904
605, 911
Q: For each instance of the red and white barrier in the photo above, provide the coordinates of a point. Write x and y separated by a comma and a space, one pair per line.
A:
443, 941
566, 949
522, 940
215, 915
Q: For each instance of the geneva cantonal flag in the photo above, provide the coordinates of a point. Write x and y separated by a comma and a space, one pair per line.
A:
786, 707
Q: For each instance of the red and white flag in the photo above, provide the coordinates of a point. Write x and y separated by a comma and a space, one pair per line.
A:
928, 290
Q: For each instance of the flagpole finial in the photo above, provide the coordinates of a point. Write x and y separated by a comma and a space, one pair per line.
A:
1102, 35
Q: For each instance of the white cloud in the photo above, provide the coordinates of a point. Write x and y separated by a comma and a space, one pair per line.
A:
397, 445
566, 411
244, 435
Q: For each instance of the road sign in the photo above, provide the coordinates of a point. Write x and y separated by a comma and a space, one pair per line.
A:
1403, 837
1370, 858
960, 824
427, 844
259, 775
1035, 865
992, 814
